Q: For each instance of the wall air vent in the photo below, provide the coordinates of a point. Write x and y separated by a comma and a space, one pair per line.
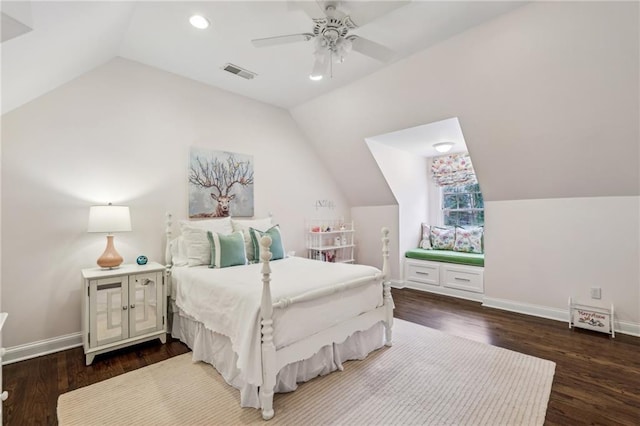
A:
234, 69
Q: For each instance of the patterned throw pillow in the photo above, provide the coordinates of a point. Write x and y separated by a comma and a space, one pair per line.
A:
469, 239
425, 242
442, 238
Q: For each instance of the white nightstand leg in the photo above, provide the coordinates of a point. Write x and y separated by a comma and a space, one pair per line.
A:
89, 359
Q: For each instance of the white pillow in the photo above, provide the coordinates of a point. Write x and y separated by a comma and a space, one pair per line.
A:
244, 225
195, 238
178, 250
220, 225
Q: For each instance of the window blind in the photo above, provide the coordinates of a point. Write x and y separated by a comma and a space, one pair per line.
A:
453, 170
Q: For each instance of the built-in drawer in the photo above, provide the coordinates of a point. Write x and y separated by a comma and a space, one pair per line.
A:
460, 277
422, 272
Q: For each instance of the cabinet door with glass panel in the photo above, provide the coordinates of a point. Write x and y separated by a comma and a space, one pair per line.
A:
108, 310
145, 303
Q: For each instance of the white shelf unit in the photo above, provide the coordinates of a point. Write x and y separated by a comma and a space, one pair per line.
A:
331, 240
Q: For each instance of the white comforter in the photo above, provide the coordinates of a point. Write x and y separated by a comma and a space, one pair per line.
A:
227, 301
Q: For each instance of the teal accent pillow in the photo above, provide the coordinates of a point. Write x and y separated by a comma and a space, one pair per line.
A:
277, 248
227, 250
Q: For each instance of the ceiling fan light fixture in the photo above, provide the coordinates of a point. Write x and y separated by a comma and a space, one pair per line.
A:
331, 34
199, 21
443, 146
320, 66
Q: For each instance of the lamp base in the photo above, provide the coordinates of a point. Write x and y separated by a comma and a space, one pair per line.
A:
110, 259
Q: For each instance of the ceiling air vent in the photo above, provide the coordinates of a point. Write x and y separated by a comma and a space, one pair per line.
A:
234, 69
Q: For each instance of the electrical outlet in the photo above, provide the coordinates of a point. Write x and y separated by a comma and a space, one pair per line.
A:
596, 292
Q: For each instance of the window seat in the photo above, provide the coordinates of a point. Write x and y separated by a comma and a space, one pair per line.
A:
447, 272
447, 256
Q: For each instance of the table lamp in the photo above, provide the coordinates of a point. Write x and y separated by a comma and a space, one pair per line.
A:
109, 219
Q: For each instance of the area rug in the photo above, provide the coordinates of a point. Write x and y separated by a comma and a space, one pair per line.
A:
427, 377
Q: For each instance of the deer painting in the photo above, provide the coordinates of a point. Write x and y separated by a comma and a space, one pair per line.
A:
221, 177
223, 204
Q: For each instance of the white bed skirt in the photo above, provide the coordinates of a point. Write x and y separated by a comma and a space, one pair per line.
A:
215, 349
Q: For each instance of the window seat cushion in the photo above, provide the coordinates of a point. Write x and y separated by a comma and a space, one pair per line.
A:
448, 256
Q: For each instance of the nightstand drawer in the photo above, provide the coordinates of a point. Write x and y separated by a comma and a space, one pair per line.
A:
463, 278
422, 272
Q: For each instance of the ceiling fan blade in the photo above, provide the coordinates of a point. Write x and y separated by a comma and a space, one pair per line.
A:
363, 12
312, 8
272, 41
371, 48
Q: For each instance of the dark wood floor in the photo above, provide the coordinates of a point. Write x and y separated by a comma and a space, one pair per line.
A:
597, 379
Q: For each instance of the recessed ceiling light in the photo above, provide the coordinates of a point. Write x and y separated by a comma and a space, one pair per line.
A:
443, 146
199, 22
315, 77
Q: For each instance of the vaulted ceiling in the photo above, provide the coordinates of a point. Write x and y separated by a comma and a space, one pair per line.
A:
68, 39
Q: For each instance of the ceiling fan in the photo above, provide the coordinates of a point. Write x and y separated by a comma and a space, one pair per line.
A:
332, 21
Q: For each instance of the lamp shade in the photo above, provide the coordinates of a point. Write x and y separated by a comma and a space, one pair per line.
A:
109, 219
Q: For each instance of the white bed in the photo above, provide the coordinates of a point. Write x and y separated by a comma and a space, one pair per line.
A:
265, 337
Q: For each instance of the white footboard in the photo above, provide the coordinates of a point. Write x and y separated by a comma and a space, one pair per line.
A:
273, 361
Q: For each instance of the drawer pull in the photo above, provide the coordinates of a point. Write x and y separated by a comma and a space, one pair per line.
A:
4, 395
422, 273
125, 307
461, 279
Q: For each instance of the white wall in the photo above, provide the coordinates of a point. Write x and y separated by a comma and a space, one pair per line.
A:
542, 93
122, 133
406, 174
369, 222
543, 251
547, 98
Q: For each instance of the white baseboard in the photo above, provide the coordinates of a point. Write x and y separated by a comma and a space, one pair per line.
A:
527, 308
396, 284
42, 347
624, 327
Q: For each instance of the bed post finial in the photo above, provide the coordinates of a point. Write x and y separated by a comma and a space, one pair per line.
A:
386, 287
268, 348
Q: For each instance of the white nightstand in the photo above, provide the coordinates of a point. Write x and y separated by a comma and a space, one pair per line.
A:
123, 306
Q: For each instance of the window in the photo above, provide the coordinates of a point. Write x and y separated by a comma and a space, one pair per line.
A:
461, 202
462, 205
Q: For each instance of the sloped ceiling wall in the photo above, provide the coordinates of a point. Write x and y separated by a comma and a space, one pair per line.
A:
67, 41
547, 97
